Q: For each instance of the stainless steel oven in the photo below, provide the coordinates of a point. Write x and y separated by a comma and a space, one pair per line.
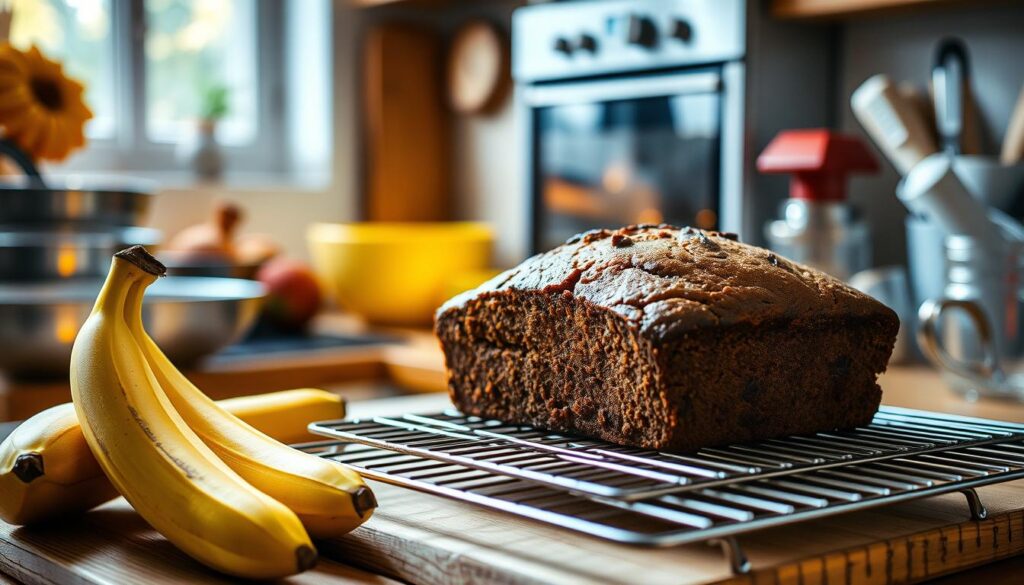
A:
634, 114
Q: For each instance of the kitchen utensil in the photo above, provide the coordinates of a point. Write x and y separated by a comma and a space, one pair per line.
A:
1010, 228
925, 257
96, 202
931, 189
408, 145
974, 332
925, 260
1013, 142
894, 124
921, 103
32, 255
478, 68
395, 273
949, 87
819, 227
998, 185
189, 317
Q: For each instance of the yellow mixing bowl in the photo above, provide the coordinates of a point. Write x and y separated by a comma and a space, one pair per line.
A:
396, 273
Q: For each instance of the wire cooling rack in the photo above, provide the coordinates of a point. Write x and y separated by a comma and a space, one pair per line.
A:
646, 497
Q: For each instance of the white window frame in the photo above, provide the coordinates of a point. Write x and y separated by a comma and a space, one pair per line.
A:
130, 149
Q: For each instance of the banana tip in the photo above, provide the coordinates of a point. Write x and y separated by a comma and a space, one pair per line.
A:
364, 501
305, 558
28, 467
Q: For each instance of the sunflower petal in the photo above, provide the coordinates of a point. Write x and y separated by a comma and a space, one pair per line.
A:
13, 60
10, 78
78, 110
14, 98
16, 124
60, 146
76, 135
73, 135
42, 146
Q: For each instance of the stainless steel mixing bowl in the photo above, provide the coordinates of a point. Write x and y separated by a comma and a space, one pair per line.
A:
188, 317
98, 202
35, 255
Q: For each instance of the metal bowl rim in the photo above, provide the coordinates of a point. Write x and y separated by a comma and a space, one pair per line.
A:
85, 291
80, 238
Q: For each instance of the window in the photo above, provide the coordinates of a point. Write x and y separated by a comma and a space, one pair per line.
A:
152, 67
193, 51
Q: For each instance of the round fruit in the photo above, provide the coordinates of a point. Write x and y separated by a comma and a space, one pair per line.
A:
293, 295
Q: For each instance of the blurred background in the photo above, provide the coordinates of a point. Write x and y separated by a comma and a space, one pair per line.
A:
341, 167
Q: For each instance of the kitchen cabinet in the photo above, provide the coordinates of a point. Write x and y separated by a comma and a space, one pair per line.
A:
407, 142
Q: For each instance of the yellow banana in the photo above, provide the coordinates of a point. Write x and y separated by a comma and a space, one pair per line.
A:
171, 478
285, 415
329, 498
47, 471
36, 486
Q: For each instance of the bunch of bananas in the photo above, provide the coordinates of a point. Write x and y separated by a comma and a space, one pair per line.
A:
228, 495
47, 471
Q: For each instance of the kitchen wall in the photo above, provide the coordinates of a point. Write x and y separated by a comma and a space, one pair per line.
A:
902, 46
488, 172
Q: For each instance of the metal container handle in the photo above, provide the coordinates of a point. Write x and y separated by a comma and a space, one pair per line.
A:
931, 311
24, 162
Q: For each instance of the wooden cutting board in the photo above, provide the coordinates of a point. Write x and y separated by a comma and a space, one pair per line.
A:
423, 539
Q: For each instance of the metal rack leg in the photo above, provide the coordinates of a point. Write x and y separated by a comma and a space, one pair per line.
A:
734, 552
978, 510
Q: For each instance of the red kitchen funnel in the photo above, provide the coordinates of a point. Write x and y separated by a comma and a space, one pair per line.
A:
819, 159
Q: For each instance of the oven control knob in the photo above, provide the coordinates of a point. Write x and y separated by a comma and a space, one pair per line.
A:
586, 43
642, 32
563, 46
681, 30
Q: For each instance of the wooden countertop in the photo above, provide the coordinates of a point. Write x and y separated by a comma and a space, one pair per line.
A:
424, 539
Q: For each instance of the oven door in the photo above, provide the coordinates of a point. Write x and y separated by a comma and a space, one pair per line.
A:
640, 149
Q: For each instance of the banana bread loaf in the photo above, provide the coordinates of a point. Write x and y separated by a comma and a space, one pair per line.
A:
667, 338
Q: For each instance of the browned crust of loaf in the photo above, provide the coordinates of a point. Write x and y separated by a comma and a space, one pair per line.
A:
667, 338
671, 280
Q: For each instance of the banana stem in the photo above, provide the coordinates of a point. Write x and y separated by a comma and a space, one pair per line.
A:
130, 264
140, 257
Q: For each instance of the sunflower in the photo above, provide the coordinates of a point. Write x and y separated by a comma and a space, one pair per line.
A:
41, 110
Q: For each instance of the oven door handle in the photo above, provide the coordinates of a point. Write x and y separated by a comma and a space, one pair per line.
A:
588, 92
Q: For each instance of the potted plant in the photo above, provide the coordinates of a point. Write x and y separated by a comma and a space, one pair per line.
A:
208, 159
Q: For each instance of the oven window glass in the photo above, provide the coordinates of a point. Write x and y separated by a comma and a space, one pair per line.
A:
608, 164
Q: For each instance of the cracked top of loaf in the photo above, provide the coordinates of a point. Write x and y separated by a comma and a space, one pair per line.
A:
668, 280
